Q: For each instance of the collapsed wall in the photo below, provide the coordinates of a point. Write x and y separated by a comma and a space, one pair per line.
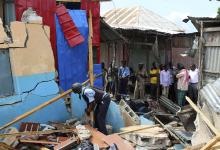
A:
34, 76
210, 106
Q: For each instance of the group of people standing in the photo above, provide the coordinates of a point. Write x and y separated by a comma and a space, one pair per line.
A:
166, 80
173, 82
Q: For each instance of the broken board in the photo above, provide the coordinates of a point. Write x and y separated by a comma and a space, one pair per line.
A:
33, 59
116, 139
97, 137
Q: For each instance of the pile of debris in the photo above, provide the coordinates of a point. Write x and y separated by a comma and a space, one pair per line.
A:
73, 135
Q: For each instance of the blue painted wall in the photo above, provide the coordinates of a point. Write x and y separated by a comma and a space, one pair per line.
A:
33, 90
113, 118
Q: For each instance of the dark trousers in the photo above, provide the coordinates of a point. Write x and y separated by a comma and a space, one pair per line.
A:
100, 114
172, 94
153, 91
193, 92
181, 98
123, 85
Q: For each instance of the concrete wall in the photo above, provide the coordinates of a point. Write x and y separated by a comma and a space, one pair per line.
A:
34, 81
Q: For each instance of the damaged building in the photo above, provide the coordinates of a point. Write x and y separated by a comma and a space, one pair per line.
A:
48, 45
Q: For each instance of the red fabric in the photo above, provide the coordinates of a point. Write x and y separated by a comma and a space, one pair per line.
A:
95, 8
45, 9
71, 33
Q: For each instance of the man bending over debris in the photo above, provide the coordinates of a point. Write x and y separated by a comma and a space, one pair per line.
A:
97, 99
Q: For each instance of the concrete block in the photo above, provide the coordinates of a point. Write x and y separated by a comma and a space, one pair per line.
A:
129, 116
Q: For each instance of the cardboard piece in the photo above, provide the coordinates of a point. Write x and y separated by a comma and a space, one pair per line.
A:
19, 34
116, 139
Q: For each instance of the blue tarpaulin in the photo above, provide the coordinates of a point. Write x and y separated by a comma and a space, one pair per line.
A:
72, 62
97, 69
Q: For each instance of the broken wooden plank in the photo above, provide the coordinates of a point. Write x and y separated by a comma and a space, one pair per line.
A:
138, 128
204, 118
211, 143
37, 133
116, 139
65, 144
38, 142
97, 137
4, 146
11, 141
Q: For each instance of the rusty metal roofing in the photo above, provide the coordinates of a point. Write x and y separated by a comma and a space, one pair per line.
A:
207, 21
141, 19
211, 93
108, 33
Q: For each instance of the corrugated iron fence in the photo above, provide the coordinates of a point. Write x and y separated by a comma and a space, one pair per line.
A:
211, 54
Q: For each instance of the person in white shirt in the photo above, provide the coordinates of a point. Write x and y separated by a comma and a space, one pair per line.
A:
193, 83
95, 99
165, 81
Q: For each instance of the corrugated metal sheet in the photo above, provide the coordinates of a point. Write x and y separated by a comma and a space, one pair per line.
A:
211, 70
141, 19
211, 92
212, 60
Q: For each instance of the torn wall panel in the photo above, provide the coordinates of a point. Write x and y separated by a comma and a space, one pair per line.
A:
19, 35
33, 59
3, 35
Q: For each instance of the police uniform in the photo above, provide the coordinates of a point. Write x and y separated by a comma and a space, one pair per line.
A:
98, 97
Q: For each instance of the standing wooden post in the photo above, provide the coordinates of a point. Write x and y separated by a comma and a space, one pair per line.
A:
91, 75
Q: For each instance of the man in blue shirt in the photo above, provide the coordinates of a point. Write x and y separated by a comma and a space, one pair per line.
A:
123, 75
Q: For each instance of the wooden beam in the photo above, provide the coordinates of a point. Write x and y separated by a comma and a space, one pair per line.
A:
138, 129
36, 132
90, 50
38, 142
211, 143
211, 29
204, 118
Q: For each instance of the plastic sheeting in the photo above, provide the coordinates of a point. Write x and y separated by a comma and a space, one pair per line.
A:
45, 9
98, 70
72, 62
